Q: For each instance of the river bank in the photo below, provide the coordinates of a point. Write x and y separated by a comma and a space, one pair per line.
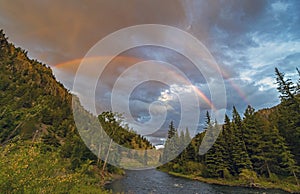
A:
237, 183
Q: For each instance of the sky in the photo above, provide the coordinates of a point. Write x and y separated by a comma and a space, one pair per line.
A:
248, 39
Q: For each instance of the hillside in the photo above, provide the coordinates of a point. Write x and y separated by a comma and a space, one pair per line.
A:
41, 150
31, 99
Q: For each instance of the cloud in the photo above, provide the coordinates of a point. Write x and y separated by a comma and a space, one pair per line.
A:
279, 6
247, 38
70, 28
266, 83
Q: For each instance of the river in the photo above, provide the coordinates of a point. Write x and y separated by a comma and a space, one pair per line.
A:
154, 181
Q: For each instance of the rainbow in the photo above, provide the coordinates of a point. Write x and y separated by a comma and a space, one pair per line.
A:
226, 76
72, 66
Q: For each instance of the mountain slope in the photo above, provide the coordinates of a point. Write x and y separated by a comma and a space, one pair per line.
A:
41, 150
39, 141
31, 99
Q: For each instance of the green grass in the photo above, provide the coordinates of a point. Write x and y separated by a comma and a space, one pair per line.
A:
261, 183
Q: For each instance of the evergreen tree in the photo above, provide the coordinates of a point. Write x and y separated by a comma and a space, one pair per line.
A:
215, 161
239, 153
240, 157
227, 134
210, 136
172, 130
277, 159
187, 137
182, 141
171, 148
285, 86
253, 137
208, 119
237, 120
289, 114
191, 151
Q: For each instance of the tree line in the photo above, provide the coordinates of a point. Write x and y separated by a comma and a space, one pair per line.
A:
261, 144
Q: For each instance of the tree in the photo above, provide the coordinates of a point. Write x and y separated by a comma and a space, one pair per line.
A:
187, 137
239, 153
285, 86
208, 119
288, 122
215, 158
210, 136
181, 141
240, 157
172, 130
171, 148
275, 154
237, 120
252, 136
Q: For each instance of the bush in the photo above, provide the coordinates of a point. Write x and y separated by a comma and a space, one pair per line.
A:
273, 178
248, 176
227, 174
26, 169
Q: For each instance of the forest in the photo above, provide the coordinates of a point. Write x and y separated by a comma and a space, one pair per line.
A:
259, 149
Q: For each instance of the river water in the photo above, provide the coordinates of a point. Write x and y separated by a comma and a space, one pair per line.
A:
154, 181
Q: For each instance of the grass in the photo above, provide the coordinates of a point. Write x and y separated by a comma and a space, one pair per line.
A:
262, 183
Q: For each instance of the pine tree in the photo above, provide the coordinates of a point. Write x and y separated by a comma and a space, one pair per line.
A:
240, 157
215, 161
239, 153
181, 140
191, 150
187, 137
289, 114
275, 155
237, 120
172, 130
210, 136
171, 149
228, 143
253, 137
187, 150
285, 86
